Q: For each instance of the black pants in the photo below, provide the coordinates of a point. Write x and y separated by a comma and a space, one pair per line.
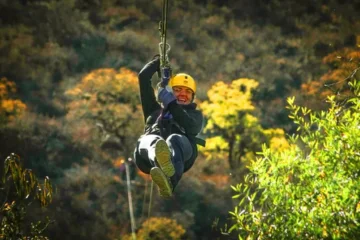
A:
180, 148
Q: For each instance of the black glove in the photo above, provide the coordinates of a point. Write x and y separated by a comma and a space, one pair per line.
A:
150, 68
156, 58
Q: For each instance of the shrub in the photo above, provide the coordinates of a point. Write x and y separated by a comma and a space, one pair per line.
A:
307, 192
19, 188
158, 228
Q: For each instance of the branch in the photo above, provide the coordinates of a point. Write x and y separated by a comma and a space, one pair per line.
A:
351, 76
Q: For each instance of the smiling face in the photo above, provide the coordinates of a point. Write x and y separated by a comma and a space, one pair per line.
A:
184, 95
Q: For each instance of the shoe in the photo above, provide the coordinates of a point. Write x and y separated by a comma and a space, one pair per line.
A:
163, 158
164, 185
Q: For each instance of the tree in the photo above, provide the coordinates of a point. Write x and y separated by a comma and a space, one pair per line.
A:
308, 192
158, 228
20, 188
106, 101
94, 193
232, 128
342, 64
104, 114
9, 108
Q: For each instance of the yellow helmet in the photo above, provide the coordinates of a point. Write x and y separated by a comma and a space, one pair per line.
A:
183, 79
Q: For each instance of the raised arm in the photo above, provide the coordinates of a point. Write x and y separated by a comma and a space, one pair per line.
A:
147, 95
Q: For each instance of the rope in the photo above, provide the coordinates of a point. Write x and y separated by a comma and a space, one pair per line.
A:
150, 200
144, 201
131, 211
147, 226
151, 196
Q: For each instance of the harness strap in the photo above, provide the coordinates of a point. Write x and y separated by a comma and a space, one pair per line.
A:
200, 141
167, 130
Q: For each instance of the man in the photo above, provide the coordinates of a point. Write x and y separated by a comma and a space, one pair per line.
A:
168, 148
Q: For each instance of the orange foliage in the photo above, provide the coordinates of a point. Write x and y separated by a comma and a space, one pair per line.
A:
220, 180
124, 13
107, 80
159, 228
9, 108
118, 162
144, 176
106, 99
343, 63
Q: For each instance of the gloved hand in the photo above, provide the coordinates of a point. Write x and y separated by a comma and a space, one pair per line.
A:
156, 59
156, 56
165, 96
150, 68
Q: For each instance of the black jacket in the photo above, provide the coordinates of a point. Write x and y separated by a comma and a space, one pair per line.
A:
186, 119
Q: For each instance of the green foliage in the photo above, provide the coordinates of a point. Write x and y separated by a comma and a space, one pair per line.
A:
94, 193
19, 188
309, 192
36, 48
49, 149
200, 206
47, 46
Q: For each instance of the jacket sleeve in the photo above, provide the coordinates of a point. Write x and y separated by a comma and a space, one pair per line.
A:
147, 95
192, 123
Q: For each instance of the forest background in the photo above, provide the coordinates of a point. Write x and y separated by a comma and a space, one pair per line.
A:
69, 100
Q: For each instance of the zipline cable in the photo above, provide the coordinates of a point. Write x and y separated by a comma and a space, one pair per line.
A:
163, 46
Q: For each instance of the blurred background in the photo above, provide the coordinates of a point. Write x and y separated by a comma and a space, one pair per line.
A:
70, 106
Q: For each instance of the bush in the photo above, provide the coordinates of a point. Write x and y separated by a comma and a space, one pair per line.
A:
19, 188
308, 192
158, 228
